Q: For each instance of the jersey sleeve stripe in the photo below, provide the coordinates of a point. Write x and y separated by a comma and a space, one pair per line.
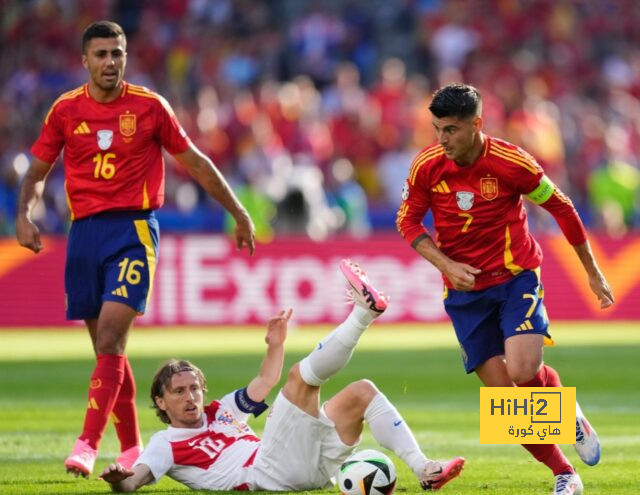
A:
419, 160
401, 214
65, 96
520, 162
558, 194
517, 154
422, 159
142, 93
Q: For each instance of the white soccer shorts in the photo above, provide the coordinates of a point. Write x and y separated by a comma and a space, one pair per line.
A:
298, 452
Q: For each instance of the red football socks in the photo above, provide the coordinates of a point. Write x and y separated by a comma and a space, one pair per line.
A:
125, 414
549, 455
106, 382
546, 377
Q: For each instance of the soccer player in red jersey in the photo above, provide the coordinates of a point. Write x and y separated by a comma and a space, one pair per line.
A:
112, 134
473, 184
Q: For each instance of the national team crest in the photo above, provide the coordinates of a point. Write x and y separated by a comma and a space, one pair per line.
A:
489, 188
464, 200
105, 138
127, 124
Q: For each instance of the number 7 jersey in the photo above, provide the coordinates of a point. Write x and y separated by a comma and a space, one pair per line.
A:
112, 151
479, 217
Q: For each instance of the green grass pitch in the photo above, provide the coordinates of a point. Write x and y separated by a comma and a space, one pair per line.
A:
43, 377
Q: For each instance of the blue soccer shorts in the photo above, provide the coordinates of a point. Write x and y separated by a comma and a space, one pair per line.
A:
111, 256
484, 319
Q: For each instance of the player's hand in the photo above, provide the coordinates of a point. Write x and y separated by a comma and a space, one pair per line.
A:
277, 328
601, 289
115, 473
28, 234
462, 276
245, 233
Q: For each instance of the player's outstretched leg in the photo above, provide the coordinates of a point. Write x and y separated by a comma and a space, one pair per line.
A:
568, 484
392, 432
334, 351
587, 443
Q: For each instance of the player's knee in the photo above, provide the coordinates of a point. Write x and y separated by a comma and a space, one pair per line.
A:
523, 372
110, 340
362, 392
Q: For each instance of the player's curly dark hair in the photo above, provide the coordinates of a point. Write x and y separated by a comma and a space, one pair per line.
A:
456, 100
101, 29
162, 378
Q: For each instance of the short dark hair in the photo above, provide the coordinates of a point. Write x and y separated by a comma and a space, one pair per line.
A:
456, 100
162, 379
102, 29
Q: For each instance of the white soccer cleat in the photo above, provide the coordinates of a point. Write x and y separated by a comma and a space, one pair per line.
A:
363, 293
127, 458
568, 484
587, 443
82, 459
436, 474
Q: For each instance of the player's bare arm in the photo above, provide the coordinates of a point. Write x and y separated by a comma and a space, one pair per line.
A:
27, 232
209, 177
271, 368
597, 282
461, 275
126, 480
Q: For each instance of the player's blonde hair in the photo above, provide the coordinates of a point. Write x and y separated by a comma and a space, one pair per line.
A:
162, 378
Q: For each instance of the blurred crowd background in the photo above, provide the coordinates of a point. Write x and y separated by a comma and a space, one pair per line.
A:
314, 110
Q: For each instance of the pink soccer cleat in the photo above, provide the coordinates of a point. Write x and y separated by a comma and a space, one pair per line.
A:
363, 292
82, 459
127, 458
436, 474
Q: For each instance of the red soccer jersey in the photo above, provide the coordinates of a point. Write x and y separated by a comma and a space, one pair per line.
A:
112, 151
478, 213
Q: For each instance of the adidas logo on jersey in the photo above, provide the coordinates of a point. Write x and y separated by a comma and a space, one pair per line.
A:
83, 128
120, 291
442, 187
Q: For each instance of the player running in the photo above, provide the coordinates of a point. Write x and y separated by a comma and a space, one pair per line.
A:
303, 443
113, 133
473, 184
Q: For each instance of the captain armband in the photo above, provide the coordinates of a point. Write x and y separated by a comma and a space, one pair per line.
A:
245, 404
543, 192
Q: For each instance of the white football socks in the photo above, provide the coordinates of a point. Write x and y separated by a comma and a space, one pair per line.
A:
335, 350
392, 432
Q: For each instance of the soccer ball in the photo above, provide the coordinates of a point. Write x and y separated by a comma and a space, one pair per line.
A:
367, 472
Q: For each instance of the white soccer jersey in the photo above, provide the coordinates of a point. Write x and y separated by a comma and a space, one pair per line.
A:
215, 456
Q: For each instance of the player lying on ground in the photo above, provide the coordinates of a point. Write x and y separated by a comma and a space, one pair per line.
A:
303, 443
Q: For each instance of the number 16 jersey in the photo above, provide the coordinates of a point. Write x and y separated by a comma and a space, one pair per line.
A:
112, 151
